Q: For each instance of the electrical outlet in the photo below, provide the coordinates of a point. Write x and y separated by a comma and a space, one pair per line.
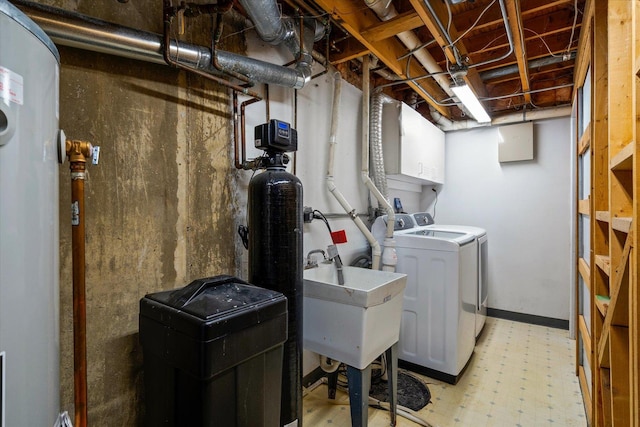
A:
307, 214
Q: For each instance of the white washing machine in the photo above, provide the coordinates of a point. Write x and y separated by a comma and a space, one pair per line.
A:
437, 332
424, 220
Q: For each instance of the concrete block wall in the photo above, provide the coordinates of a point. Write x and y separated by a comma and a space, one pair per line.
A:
159, 207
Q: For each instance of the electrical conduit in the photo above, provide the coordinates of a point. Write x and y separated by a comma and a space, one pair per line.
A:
375, 246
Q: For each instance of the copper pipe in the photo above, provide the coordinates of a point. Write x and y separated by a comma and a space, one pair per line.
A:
78, 151
214, 54
243, 106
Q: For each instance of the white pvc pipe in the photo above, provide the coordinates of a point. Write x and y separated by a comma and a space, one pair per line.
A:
375, 246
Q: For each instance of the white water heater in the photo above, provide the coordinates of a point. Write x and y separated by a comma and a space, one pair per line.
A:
29, 248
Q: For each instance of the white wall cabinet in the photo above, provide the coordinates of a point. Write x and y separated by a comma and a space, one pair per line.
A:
413, 147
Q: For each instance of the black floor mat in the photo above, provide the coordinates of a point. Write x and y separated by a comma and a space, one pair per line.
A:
412, 392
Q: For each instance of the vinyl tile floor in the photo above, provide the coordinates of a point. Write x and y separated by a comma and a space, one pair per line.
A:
520, 375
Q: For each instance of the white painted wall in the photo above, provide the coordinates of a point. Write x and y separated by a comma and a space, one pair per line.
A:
523, 205
526, 209
314, 121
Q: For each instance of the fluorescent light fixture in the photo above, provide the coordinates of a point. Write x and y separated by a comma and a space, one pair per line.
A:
468, 98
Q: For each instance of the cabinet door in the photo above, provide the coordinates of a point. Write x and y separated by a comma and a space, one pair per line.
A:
422, 153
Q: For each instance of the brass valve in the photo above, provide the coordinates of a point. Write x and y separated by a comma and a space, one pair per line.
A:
78, 151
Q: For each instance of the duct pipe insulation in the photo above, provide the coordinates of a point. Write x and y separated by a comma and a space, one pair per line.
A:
385, 10
331, 186
389, 257
79, 31
375, 137
275, 262
276, 29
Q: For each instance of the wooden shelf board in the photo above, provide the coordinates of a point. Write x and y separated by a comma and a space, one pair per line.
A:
586, 396
618, 311
624, 159
584, 207
620, 384
585, 272
604, 263
602, 216
621, 224
585, 140
605, 380
586, 337
602, 304
603, 350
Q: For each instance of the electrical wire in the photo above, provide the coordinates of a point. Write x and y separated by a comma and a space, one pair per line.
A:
435, 204
319, 215
545, 43
573, 28
450, 17
473, 25
493, 98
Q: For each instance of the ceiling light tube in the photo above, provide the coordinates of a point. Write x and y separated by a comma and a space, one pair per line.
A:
468, 98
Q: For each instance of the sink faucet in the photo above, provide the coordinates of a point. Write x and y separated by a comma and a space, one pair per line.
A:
332, 250
312, 262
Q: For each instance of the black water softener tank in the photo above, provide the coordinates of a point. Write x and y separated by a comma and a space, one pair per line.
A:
275, 249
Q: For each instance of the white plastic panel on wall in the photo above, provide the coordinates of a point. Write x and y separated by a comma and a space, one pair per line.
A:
515, 142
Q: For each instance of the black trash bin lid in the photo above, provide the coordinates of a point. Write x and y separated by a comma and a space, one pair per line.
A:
216, 305
208, 298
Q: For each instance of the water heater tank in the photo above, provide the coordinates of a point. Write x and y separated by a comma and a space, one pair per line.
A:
29, 260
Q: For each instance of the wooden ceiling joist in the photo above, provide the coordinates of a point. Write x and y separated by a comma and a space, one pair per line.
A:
349, 49
472, 77
493, 17
350, 15
515, 22
383, 30
531, 38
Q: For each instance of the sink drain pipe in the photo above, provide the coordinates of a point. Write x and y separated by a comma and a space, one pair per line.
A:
331, 186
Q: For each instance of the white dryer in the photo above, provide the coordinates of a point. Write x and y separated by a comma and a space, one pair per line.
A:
437, 332
425, 221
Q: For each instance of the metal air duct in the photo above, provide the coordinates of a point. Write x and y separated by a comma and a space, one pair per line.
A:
79, 31
277, 29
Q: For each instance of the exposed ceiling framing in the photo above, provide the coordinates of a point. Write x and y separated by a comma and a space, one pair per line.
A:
536, 74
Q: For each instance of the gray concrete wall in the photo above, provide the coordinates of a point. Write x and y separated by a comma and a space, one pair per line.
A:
159, 207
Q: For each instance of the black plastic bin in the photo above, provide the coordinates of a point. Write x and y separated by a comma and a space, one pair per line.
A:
213, 354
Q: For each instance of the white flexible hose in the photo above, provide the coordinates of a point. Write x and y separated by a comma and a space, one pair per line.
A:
375, 246
328, 365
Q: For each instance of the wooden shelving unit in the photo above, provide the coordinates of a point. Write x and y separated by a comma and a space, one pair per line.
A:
610, 340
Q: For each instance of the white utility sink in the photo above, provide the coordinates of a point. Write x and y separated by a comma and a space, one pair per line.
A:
354, 323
